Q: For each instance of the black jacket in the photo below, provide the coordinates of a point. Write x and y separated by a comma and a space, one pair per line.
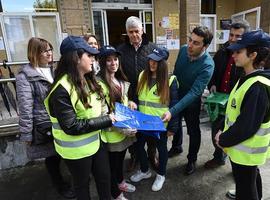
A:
61, 108
255, 110
221, 60
133, 62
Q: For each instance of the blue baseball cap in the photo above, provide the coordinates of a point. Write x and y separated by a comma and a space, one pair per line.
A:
73, 43
159, 54
108, 50
257, 37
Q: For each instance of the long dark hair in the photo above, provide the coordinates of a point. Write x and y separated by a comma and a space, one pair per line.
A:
262, 59
68, 64
162, 81
114, 92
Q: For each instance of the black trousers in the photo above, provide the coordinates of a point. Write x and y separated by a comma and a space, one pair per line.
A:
191, 115
161, 145
248, 182
219, 154
98, 164
116, 164
53, 167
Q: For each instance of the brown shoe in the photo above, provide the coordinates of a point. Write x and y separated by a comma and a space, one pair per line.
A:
211, 164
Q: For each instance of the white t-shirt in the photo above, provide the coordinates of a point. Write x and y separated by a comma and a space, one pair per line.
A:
46, 73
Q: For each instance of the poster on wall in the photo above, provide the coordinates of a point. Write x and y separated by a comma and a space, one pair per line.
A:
222, 36
169, 33
161, 41
174, 20
165, 23
173, 44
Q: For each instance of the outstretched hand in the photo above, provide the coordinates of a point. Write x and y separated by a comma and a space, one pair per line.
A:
166, 116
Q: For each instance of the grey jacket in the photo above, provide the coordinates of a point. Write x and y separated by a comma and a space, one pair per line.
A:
34, 121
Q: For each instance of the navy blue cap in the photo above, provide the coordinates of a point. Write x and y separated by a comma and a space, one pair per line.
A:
159, 54
73, 43
257, 37
108, 50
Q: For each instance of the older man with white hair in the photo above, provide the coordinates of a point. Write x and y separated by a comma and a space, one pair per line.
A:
133, 59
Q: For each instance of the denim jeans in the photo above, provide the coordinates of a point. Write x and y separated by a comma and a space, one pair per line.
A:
161, 145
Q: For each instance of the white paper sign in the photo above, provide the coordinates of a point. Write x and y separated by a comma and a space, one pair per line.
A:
173, 44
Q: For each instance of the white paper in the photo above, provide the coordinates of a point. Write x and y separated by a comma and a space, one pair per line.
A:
173, 44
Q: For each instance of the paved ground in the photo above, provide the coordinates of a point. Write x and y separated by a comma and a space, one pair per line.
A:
32, 182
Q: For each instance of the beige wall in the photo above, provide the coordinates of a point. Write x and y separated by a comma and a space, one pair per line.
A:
241, 5
161, 9
224, 10
75, 16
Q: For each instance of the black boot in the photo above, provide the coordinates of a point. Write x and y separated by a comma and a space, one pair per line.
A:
66, 190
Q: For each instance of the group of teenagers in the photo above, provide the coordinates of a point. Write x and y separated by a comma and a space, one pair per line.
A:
67, 113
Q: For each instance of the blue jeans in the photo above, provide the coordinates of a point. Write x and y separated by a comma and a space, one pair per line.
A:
162, 150
191, 115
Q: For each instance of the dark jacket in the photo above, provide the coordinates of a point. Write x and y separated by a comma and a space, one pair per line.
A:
34, 121
133, 62
255, 110
221, 60
173, 124
61, 108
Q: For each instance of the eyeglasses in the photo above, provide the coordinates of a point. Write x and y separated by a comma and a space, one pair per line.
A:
47, 51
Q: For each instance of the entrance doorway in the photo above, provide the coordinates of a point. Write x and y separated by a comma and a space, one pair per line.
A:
110, 24
116, 22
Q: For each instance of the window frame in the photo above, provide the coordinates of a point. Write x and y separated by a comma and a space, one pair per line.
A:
244, 13
30, 15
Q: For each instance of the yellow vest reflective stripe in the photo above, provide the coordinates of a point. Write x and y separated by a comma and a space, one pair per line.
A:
255, 150
111, 134
149, 101
75, 146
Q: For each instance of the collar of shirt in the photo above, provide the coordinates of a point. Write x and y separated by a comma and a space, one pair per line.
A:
192, 58
137, 46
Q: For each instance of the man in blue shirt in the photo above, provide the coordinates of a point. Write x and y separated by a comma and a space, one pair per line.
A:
193, 68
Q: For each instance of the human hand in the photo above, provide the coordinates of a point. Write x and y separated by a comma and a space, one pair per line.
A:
166, 116
128, 131
213, 89
170, 133
112, 117
132, 105
217, 138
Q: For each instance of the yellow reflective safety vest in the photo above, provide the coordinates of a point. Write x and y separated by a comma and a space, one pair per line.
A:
149, 101
111, 134
75, 146
255, 150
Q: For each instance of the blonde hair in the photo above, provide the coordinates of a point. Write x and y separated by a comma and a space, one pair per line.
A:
35, 48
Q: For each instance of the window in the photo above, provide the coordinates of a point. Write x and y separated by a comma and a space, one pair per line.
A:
29, 6
252, 16
210, 21
123, 1
18, 28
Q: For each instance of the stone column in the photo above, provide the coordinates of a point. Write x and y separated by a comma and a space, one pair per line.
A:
75, 16
189, 17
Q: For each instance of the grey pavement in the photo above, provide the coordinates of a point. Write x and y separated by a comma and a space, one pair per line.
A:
32, 182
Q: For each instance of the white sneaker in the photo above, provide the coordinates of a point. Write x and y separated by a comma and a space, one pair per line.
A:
158, 183
140, 175
121, 197
126, 187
